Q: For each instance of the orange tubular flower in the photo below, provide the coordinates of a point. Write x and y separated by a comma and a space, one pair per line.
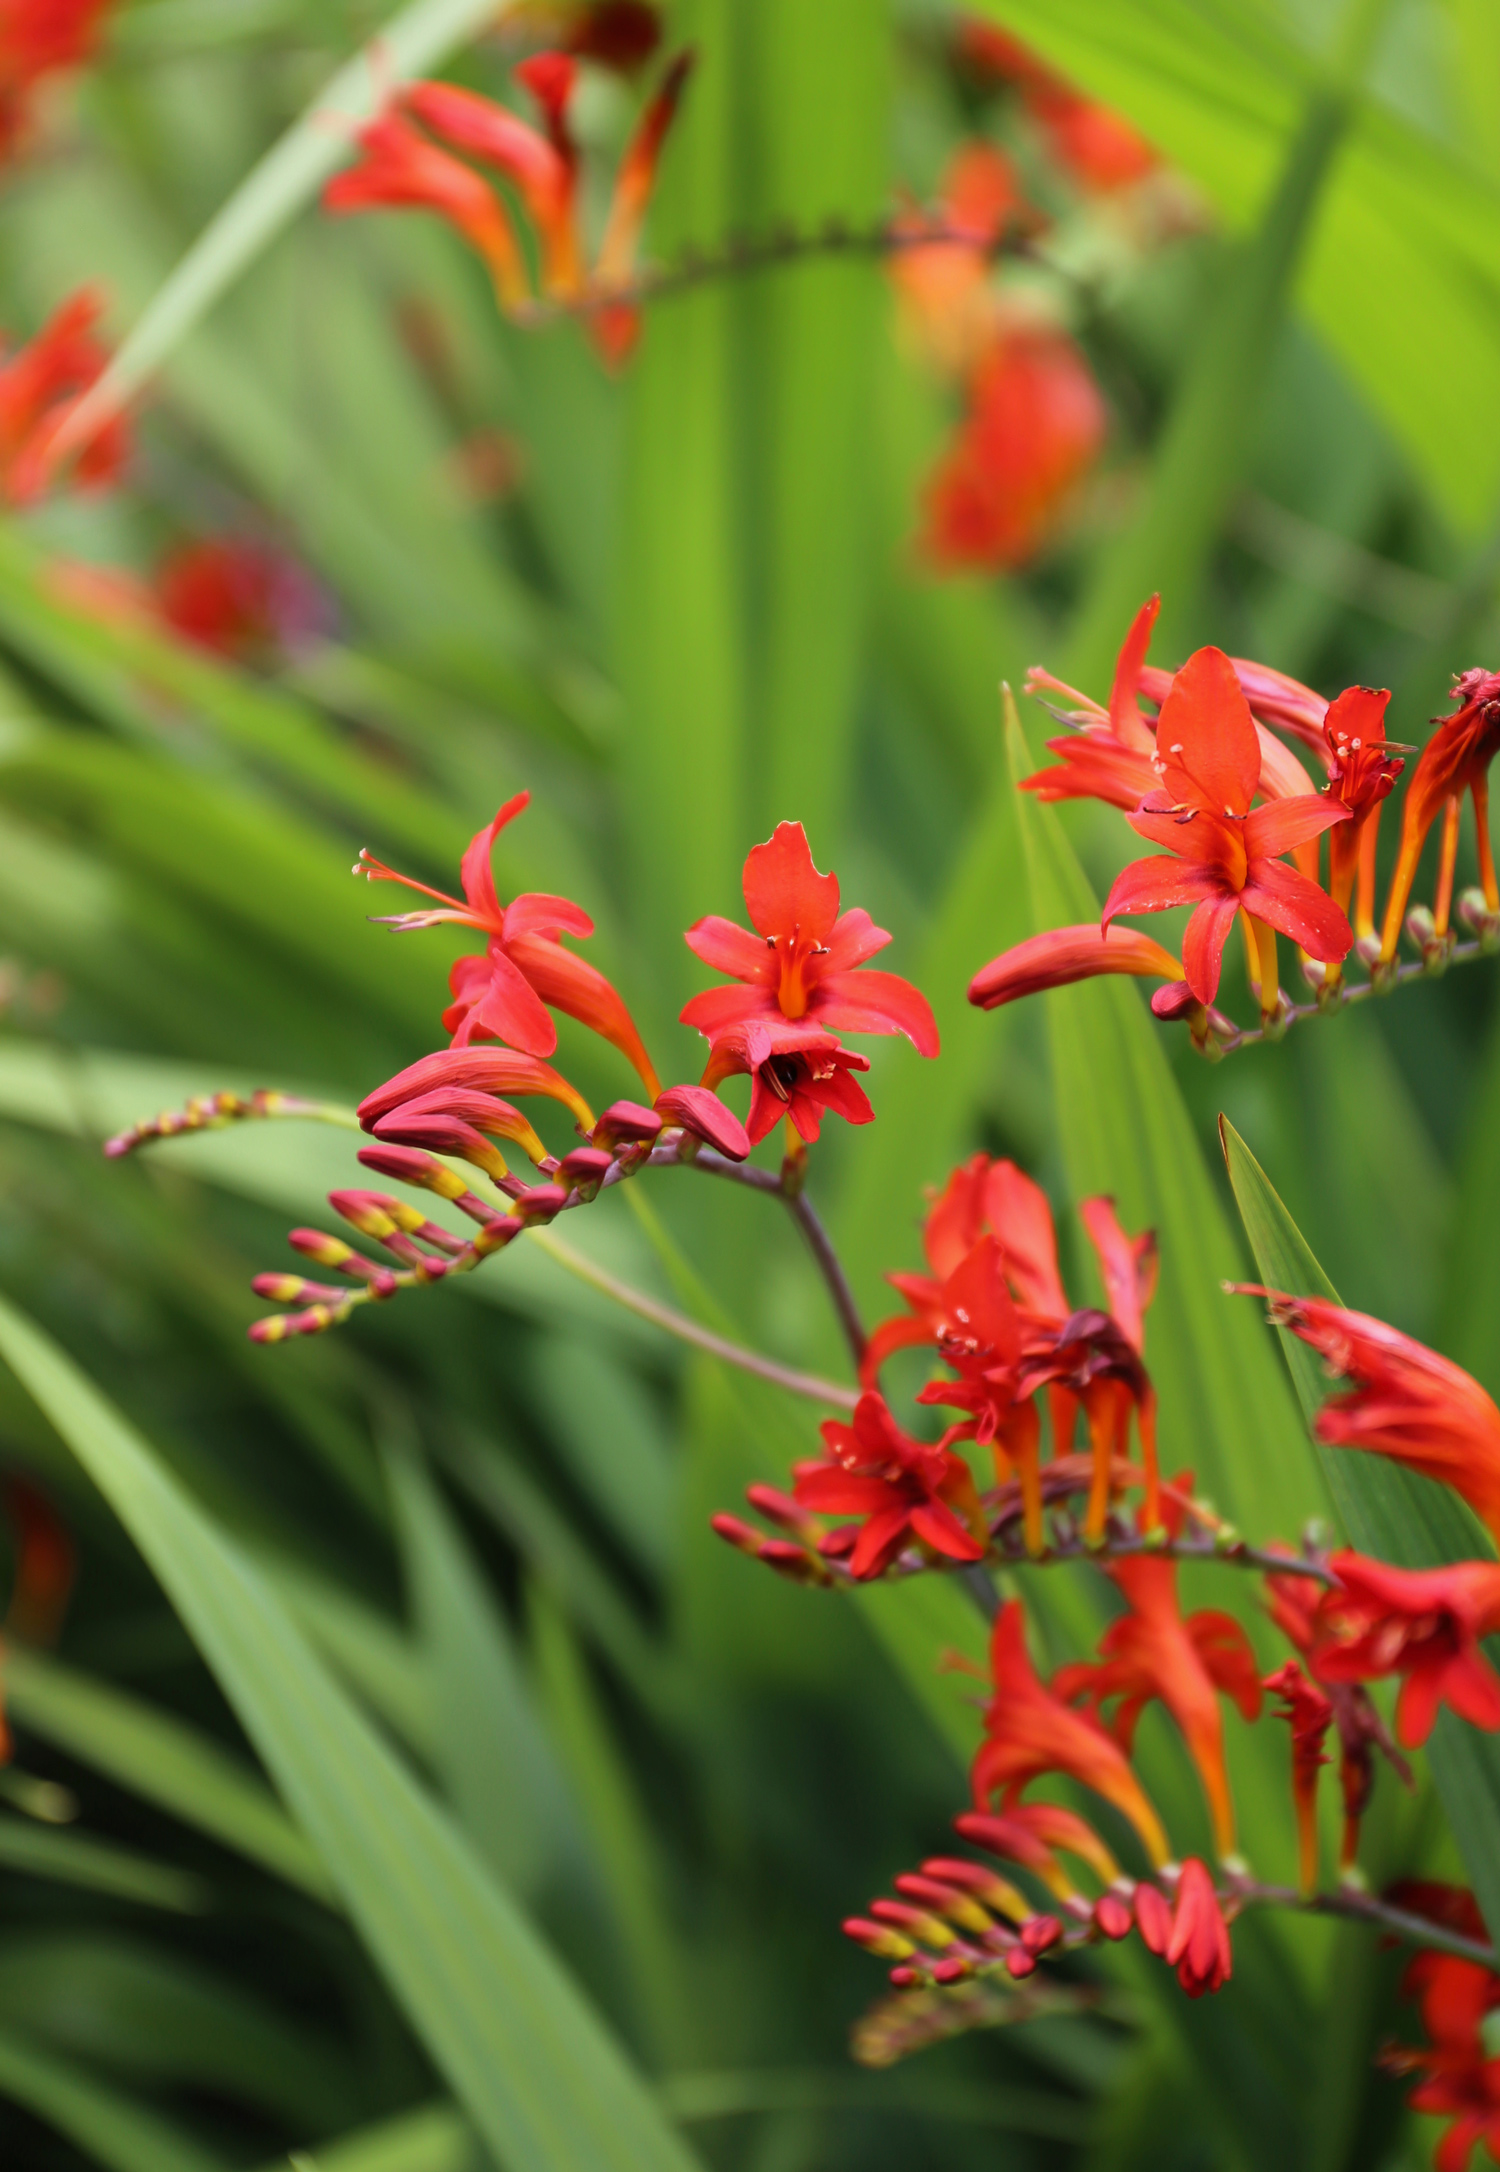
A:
1309, 1714
905, 1489
1199, 1945
796, 1071
1061, 956
544, 172
1098, 148
399, 168
501, 996
1296, 1609
800, 962
1407, 1402
1361, 772
1455, 760
1209, 764
1030, 1731
616, 326
944, 288
1423, 1624
476, 1070
978, 1332
1152, 1652
1461, 2082
1036, 424
40, 386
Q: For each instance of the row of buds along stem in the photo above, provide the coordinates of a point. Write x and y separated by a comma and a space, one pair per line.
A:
211, 1112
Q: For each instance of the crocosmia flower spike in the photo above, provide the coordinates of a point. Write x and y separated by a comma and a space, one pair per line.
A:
40, 386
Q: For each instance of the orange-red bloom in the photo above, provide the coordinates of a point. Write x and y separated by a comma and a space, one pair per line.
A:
501, 996
1150, 1651
800, 963
1309, 1714
40, 386
1461, 2081
544, 168
1407, 1401
905, 1489
1035, 425
1296, 1608
1455, 760
1361, 772
400, 168
1060, 956
238, 598
1208, 761
1199, 1945
947, 297
1423, 1624
1098, 147
40, 38
1029, 1731
796, 1070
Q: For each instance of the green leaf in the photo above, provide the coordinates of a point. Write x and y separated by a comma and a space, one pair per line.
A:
542, 2079
160, 1757
434, 2139
1392, 1513
103, 2122
74, 1858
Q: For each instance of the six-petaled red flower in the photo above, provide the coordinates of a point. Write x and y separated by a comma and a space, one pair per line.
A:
905, 1489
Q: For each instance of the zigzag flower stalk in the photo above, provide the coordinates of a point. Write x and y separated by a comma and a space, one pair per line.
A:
1197, 761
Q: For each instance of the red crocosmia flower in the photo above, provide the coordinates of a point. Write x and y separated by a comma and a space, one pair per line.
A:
946, 294
240, 599
1461, 2082
703, 1115
905, 1489
1060, 956
543, 167
1035, 425
1029, 1731
1199, 1947
41, 384
400, 168
1407, 1402
40, 38
480, 1070
502, 995
801, 961
1030, 1832
1296, 1609
796, 1071
1098, 148
1228, 856
1423, 1624
616, 326
1455, 760
1361, 772
1309, 1714
1150, 1651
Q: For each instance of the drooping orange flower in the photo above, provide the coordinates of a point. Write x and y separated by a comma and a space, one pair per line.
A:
1309, 1714
1150, 1651
1030, 1731
1060, 956
1423, 1624
1455, 760
806, 958
39, 38
41, 384
905, 1489
1035, 425
1407, 1402
502, 995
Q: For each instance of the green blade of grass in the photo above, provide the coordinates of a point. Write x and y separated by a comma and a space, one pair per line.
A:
107, 2125
97, 1866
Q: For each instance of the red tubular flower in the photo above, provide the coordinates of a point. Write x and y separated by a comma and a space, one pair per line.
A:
1035, 425
1209, 763
1199, 1947
1407, 1402
1098, 148
1309, 1714
800, 962
237, 598
1030, 1731
544, 173
616, 326
501, 995
1455, 760
796, 1071
1060, 956
1461, 2082
904, 1488
946, 295
1029, 1833
1152, 1652
40, 38
480, 1070
1423, 1624
41, 384
1361, 772
399, 168
703, 1116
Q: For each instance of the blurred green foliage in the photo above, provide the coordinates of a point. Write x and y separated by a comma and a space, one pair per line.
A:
471, 1530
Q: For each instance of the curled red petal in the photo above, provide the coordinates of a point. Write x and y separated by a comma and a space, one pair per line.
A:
1285, 899
1063, 955
867, 1002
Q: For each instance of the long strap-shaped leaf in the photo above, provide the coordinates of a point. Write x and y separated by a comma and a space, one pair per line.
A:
419, 37
542, 2079
107, 2125
1386, 1511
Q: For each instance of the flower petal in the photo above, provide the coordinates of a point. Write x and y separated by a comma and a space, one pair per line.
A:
702, 1113
784, 891
477, 874
1203, 945
729, 948
716, 1010
855, 937
511, 1010
936, 1522
1205, 737
1200, 837
1060, 956
1286, 900
875, 1002
1283, 824
581, 991
1125, 719
1157, 884
535, 913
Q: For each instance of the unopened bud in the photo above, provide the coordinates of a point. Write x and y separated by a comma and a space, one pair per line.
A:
496, 1234
1153, 1916
952, 1969
295, 1289
377, 1214
538, 1205
736, 1532
1019, 1963
407, 1165
703, 1116
780, 1508
1112, 1915
318, 1245
1476, 913
1367, 950
877, 1938
626, 1123
280, 1325
584, 1170
1040, 1933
